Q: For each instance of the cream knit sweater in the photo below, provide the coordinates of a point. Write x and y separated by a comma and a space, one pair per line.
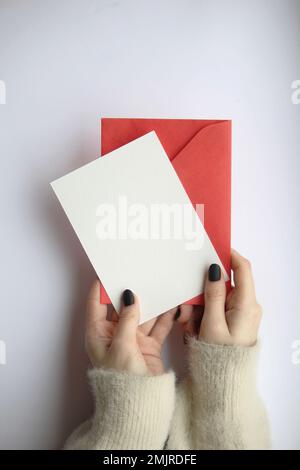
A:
216, 406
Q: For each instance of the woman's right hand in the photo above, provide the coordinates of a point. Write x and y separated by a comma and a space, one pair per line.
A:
231, 320
120, 343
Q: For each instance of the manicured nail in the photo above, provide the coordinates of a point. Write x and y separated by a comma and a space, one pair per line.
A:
128, 297
177, 314
214, 272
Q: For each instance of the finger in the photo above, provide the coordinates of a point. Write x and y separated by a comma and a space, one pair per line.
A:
112, 314
198, 315
191, 328
186, 320
146, 327
163, 326
215, 296
242, 274
128, 317
185, 313
95, 311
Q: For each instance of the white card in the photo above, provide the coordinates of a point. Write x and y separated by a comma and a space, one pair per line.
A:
138, 226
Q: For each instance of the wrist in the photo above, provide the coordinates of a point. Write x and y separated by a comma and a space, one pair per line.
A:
132, 411
223, 375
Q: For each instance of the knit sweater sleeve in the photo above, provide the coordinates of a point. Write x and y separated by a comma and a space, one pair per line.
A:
131, 412
218, 405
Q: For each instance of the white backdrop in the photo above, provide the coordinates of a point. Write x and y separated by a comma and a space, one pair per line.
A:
66, 63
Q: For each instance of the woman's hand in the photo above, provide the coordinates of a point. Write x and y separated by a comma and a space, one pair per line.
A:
231, 320
119, 343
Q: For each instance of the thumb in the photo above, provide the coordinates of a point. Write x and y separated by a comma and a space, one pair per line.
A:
128, 317
214, 319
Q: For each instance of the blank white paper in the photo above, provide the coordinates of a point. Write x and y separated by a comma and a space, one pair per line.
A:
112, 204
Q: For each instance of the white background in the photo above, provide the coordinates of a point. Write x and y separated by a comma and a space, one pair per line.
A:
66, 63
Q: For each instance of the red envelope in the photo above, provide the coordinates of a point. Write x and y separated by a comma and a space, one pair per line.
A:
200, 151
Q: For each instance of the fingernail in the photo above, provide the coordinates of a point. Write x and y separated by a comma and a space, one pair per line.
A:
214, 272
177, 314
128, 297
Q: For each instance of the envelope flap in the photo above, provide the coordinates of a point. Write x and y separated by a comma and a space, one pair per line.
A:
174, 134
204, 168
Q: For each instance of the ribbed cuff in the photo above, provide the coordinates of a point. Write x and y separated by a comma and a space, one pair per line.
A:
223, 375
132, 411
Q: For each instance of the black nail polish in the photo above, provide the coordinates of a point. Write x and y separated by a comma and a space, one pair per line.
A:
128, 297
177, 314
214, 272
